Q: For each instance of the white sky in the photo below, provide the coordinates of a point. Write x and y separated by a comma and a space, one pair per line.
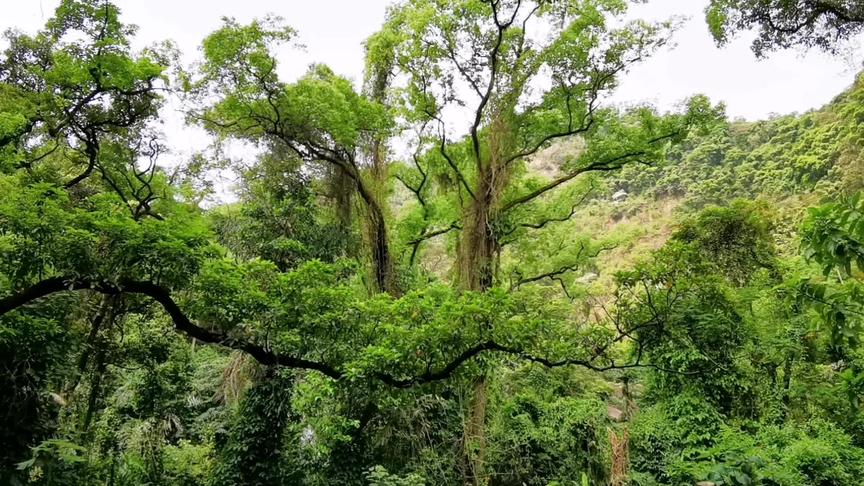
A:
333, 32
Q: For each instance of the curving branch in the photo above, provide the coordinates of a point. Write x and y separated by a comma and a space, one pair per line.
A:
556, 274
416, 242
596, 83
599, 361
611, 164
818, 9
181, 322
486, 96
442, 148
432, 234
552, 219
614, 163
590, 363
424, 177
91, 150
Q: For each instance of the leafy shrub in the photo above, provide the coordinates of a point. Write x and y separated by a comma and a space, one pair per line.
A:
378, 476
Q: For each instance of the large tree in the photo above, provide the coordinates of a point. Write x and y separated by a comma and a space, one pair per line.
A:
319, 119
486, 85
77, 108
155, 253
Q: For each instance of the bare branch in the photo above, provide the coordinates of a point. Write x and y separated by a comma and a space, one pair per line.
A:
493, 73
614, 163
611, 164
491, 346
452, 163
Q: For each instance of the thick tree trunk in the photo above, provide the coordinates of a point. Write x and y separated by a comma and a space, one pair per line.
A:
376, 233
475, 433
372, 219
382, 260
342, 187
95, 389
620, 443
478, 246
374, 194
477, 264
478, 249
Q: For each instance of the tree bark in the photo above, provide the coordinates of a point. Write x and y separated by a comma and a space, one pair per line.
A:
107, 314
379, 244
478, 251
475, 433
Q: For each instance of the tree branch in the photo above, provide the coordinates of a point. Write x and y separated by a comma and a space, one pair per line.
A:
614, 163
432, 234
266, 356
491, 346
443, 149
554, 274
181, 322
493, 73
542, 224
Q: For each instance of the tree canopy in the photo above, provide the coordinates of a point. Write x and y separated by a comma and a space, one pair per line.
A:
782, 24
470, 268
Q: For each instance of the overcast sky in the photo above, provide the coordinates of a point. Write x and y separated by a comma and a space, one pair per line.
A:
333, 32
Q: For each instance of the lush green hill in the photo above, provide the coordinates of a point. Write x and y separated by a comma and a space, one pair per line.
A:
791, 155
792, 162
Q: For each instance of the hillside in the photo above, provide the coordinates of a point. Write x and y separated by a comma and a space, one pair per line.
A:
792, 162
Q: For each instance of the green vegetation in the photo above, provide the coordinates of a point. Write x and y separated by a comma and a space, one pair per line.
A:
566, 293
785, 23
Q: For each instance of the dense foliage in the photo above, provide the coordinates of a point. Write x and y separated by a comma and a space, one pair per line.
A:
785, 23
563, 292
